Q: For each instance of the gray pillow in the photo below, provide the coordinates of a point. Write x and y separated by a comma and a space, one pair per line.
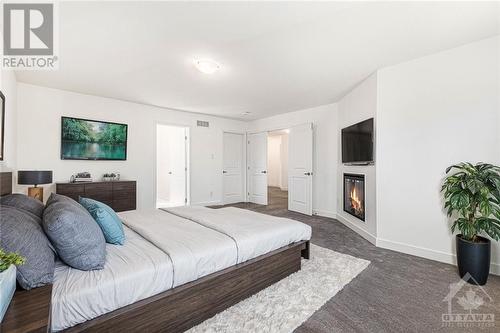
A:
23, 202
21, 232
60, 198
75, 235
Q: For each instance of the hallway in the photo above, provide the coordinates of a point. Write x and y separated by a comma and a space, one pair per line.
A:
277, 198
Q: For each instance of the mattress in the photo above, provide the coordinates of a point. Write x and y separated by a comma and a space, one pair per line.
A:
194, 250
132, 272
254, 233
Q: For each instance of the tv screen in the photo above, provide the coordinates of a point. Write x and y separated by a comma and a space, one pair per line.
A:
83, 139
357, 142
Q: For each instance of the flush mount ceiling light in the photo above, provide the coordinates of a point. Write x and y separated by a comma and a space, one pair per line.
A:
206, 66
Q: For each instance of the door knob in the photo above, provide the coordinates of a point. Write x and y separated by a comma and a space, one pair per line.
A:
264, 171
224, 171
307, 173
170, 172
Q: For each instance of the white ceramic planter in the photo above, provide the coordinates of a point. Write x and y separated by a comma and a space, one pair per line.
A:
7, 288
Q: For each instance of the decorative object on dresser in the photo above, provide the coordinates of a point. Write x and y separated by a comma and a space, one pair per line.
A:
119, 195
110, 177
81, 177
2, 121
34, 178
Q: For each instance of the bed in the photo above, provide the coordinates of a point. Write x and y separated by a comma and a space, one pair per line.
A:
177, 268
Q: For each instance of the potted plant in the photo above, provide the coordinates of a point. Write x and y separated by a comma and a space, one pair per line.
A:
8, 278
472, 196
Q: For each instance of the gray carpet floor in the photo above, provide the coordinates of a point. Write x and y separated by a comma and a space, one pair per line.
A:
396, 293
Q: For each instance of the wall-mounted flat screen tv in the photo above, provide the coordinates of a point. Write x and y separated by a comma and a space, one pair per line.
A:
83, 139
357, 143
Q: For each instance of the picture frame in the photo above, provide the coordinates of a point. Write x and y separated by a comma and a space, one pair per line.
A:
2, 125
77, 149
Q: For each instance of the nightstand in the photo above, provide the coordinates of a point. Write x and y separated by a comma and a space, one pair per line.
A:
29, 311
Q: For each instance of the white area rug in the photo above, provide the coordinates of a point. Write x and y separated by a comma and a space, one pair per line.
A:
288, 303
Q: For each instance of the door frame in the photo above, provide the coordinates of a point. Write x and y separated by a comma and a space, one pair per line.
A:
187, 161
243, 166
281, 128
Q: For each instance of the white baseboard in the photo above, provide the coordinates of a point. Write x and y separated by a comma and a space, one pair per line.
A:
207, 203
325, 213
418, 251
363, 233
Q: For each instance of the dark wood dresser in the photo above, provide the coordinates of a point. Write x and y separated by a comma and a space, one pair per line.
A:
119, 195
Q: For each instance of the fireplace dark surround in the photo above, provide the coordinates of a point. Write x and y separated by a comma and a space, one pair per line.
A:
354, 195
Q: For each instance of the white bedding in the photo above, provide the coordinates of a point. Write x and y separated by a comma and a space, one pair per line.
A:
255, 234
194, 250
132, 272
163, 250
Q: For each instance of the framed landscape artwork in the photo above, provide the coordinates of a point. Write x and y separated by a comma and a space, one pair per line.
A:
2, 125
83, 139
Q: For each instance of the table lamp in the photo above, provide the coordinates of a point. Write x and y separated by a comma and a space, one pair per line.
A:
34, 178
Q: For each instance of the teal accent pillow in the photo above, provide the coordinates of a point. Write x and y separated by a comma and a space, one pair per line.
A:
106, 218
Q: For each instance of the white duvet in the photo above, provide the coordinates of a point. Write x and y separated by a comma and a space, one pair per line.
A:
132, 272
194, 250
254, 234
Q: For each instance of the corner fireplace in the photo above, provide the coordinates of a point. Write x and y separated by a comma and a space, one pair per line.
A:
354, 195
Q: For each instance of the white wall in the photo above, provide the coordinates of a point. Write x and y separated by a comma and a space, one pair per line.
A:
433, 112
358, 105
324, 119
39, 130
8, 86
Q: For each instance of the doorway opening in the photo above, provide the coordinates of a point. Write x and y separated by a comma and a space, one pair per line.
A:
277, 168
172, 166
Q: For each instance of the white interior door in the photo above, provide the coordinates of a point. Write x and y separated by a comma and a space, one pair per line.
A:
300, 166
233, 164
257, 168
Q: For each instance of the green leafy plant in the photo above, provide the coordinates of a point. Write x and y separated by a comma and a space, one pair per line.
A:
10, 258
473, 192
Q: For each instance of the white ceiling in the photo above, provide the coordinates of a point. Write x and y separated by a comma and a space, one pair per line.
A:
276, 57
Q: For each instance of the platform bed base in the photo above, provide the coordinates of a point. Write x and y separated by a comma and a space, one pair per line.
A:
181, 308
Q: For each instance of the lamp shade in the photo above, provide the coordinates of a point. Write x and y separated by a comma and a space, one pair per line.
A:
34, 177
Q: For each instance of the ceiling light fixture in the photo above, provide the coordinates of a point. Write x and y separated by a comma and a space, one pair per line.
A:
207, 66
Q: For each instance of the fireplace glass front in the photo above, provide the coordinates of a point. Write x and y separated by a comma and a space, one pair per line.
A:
354, 195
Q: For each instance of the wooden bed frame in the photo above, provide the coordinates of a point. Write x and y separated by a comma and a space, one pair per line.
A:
183, 307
